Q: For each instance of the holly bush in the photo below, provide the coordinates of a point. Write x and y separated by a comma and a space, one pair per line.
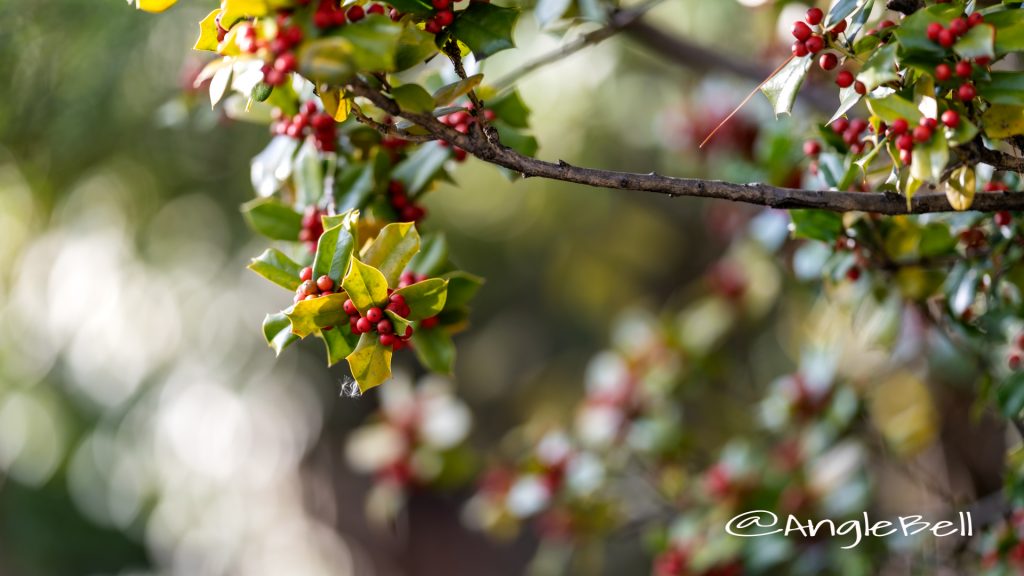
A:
900, 223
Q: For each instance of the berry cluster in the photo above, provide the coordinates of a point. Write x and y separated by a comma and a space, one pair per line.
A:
329, 14
309, 121
309, 289
905, 139
462, 121
375, 321
280, 50
312, 227
442, 18
807, 41
962, 70
406, 209
1015, 359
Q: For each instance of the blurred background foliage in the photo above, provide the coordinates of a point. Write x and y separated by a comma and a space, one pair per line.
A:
144, 427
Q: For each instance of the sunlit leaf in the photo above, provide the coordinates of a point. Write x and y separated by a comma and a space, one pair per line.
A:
309, 316
412, 98
1003, 121
392, 250
278, 268
961, 187
370, 362
273, 219
277, 329
425, 299
781, 89
153, 5
447, 94
366, 286
208, 32
333, 253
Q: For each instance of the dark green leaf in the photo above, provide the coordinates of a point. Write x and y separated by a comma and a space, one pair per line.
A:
433, 255
273, 219
1009, 26
435, 350
340, 342
978, 42
421, 167
511, 109
413, 98
415, 46
277, 329
817, 225
485, 28
462, 287
354, 186
1010, 395
1004, 88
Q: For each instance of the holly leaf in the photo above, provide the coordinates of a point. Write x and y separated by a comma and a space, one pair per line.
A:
370, 362
929, 160
310, 316
782, 87
425, 299
892, 107
432, 257
278, 268
208, 32
398, 323
354, 186
978, 42
1010, 26
961, 187
462, 287
880, 68
392, 250
235, 10
421, 167
485, 28
415, 46
912, 34
153, 5
333, 253
413, 98
445, 95
273, 219
277, 329
1004, 88
340, 342
412, 6
1002, 121
511, 109
366, 286
820, 225
435, 350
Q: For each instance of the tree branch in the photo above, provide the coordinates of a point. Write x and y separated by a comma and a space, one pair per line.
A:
758, 194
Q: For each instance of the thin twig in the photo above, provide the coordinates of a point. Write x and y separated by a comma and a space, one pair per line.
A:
387, 129
757, 194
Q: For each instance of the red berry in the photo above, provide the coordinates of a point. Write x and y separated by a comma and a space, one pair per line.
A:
428, 323
906, 157
445, 17
364, 325
934, 29
983, 61
966, 92
285, 62
376, 9
840, 125
1003, 218
858, 125
374, 315
324, 283
801, 31
408, 332
899, 126
812, 148
946, 39
853, 274
350, 307
322, 122
929, 122
814, 16
922, 134
951, 118
828, 61
860, 88
905, 142
963, 68
1020, 340
943, 72
975, 19
839, 28
293, 35
306, 273
958, 26
814, 44
395, 15
355, 13
441, 4
322, 20
799, 49
353, 323
1014, 361
886, 24
844, 79
432, 27
388, 340
384, 327
397, 299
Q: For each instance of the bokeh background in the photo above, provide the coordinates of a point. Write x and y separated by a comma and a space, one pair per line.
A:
145, 428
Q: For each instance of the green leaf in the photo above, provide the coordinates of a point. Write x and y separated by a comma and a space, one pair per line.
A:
929, 160
398, 323
309, 174
892, 107
485, 28
1010, 395
516, 139
333, 253
961, 187
880, 68
370, 362
1002, 121
261, 91
392, 250
511, 109
462, 287
425, 299
860, 17
310, 316
445, 95
421, 167
841, 11
848, 98
273, 219
278, 268
963, 133
369, 45
415, 46
936, 240
366, 286
1010, 30
412, 6
816, 225
435, 350
277, 329
354, 186
781, 89
1004, 88
978, 42
340, 342
433, 255
413, 98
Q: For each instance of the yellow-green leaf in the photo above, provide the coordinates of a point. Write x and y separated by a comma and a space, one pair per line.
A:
340, 342
153, 5
235, 10
366, 286
335, 103
1003, 121
278, 268
448, 94
394, 247
370, 362
425, 299
278, 332
310, 316
961, 187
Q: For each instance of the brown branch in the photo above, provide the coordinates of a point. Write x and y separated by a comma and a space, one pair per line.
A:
705, 60
757, 194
